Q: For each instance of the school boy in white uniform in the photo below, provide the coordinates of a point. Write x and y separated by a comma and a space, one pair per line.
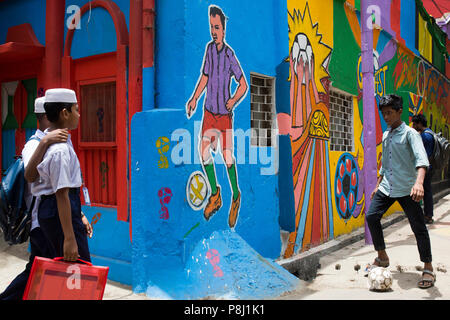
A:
59, 211
38, 143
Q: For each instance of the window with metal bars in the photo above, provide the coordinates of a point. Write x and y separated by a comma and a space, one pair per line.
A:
341, 121
262, 108
98, 149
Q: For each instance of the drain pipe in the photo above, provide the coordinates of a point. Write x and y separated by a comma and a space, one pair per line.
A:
135, 59
54, 42
148, 41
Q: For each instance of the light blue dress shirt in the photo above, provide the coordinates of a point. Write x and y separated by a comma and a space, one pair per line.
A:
403, 153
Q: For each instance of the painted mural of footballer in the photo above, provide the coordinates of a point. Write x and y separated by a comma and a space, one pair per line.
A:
219, 66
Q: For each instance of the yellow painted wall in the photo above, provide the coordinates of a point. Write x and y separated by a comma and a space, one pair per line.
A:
314, 20
425, 42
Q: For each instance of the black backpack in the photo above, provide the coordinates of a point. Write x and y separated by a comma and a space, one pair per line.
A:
15, 217
441, 150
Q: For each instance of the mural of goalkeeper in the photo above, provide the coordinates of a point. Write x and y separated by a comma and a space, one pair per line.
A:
219, 66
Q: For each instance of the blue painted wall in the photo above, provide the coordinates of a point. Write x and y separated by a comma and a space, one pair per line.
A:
182, 34
110, 244
96, 35
408, 24
162, 248
168, 255
13, 13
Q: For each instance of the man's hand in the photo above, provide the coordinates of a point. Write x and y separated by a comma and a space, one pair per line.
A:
88, 226
417, 192
70, 249
56, 136
373, 193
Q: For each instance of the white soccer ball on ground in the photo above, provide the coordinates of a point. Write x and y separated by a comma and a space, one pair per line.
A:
379, 279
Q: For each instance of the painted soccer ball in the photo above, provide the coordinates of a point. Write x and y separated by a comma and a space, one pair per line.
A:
379, 279
301, 49
197, 190
346, 185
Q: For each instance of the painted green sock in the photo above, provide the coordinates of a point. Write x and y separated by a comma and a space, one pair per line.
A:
209, 168
233, 180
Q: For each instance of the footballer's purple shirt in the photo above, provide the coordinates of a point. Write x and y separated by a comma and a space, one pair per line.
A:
219, 67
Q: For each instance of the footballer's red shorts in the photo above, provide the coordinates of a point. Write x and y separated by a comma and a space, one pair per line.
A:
218, 126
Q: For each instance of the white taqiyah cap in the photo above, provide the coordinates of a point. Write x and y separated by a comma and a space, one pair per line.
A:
39, 105
60, 95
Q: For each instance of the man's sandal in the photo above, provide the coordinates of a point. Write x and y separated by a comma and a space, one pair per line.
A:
427, 283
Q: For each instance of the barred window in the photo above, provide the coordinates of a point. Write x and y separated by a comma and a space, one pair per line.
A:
341, 121
262, 106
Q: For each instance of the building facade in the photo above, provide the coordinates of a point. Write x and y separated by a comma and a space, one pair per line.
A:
294, 164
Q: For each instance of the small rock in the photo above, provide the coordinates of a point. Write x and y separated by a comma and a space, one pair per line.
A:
337, 266
442, 269
401, 269
419, 268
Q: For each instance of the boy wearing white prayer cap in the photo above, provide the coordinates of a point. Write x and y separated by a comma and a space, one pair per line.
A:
59, 213
32, 154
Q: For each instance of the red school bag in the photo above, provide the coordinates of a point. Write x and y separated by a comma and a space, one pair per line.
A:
55, 279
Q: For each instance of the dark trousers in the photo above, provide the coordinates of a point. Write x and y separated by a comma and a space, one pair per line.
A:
428, 194
380, 204
39, 247
51, 225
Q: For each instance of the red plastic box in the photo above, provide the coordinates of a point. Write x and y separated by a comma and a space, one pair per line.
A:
55, 279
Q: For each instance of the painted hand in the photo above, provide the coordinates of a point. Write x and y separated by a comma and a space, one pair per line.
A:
230, 104
192, 105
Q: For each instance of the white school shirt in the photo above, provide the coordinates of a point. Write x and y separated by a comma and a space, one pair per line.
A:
59, 169
27, 151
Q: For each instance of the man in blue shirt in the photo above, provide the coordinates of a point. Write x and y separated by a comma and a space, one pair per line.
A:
403, 166
420, 124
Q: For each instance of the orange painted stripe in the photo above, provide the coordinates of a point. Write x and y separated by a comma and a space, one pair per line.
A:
301, 162
354, 24
293, 236
376, 35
